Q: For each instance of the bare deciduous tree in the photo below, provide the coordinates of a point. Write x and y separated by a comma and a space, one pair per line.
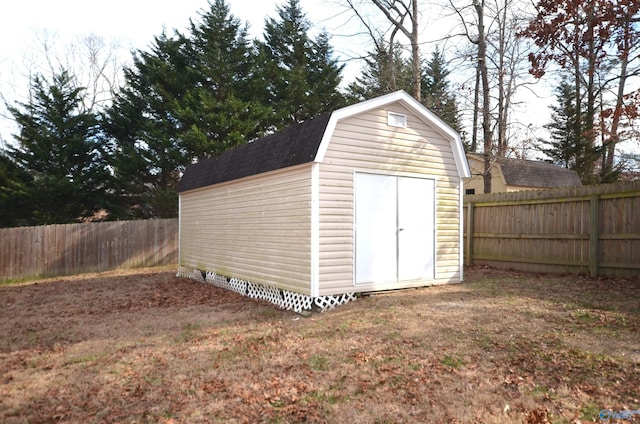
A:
93, 61
478, 6
403, 17
479, 39
500, 69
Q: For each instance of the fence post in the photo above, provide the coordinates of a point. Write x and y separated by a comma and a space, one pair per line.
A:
468, 257
594, 235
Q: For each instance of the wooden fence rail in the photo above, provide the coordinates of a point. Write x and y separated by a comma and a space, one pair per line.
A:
53, 250
593, 229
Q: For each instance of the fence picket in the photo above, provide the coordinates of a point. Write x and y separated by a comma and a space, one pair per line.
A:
54, 250
585, 229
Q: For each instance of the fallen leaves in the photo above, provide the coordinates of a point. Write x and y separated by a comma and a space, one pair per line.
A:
537, 416
153, 348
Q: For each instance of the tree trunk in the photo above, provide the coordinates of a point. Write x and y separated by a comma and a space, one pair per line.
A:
502, 110
476, 110
484, 75
607, 166
415, 52
578, 125
393, 78
591, 99
401, 10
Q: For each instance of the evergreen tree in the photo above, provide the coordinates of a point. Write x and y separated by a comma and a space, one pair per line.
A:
143, 130
219, 110
380, 75
58, 148
300, 78
15, 192
571, 146
564, 144
190, 97
324, 78
436, 94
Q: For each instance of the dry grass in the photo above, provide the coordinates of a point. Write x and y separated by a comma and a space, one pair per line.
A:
148, 347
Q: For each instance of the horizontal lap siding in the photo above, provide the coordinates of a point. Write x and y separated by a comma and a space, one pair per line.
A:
256, 229
366, 143
448, 229
335, 229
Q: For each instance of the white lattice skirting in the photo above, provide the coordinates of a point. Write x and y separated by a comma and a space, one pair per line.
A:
283, 299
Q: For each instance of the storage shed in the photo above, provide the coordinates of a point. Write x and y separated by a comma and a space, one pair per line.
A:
363, 199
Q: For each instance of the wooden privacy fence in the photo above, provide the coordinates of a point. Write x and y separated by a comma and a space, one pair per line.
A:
53, 250
593, 229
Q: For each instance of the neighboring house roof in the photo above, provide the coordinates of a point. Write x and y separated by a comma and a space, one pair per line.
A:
303, 143
530, 173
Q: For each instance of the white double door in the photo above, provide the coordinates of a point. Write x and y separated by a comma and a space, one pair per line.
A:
394, 228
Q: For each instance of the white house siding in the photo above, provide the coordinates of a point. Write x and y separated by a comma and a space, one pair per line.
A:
256, 229
366, 143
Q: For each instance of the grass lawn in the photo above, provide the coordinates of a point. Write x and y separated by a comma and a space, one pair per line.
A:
503, 347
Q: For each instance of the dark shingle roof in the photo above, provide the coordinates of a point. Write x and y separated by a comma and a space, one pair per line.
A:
293, 146
529, 173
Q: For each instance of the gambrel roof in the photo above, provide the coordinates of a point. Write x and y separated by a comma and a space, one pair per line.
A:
293, 146
530, 173
303, 143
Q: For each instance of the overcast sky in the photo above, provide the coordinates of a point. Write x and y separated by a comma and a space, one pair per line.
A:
132, 24
135, 21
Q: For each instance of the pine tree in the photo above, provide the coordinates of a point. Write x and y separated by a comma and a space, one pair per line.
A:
58, 148
300, 78
436, 94
191, 96
143, 130
564, 146
324, 78
219, 110
380, 75
15, 192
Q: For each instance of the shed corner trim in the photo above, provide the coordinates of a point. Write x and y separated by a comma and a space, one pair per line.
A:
315, 230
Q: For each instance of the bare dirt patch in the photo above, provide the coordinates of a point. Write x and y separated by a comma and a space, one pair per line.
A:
149, 347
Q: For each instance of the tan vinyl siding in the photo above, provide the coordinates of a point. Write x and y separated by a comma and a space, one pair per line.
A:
448, 229
366, 143
257, 229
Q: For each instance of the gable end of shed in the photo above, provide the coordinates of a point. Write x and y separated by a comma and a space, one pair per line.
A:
398, 120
